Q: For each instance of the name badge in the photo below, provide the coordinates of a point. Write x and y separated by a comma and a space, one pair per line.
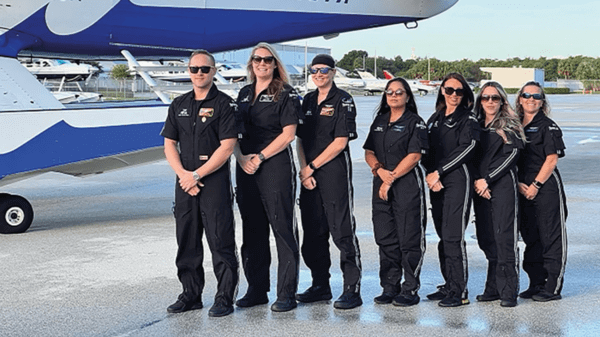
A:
203, 157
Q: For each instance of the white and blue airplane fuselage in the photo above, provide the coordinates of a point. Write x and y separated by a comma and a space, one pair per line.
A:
38, 134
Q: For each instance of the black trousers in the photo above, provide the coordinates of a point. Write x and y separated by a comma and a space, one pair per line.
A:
545, 235
212, 212
267, 197
496, 224
325, 210
450, 209
399, 228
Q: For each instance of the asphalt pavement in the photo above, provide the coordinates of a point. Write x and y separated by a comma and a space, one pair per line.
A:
99, 261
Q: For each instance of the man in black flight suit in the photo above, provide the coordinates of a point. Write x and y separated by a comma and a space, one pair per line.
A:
200, 134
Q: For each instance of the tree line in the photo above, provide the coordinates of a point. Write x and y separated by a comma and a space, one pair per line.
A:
574, 67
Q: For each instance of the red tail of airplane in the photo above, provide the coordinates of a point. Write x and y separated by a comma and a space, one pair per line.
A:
388, 75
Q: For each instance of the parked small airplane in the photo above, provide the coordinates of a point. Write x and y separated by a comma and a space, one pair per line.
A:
422, 87
372, 84
39, 134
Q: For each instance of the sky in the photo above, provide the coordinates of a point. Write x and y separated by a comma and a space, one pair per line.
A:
476, 29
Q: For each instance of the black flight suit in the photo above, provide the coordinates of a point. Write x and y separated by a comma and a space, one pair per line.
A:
328, 208
268, 196
543, 219
452, 144
199, 126
399, 223
496, 219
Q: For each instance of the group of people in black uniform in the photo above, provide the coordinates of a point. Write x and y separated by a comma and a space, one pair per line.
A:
476, 150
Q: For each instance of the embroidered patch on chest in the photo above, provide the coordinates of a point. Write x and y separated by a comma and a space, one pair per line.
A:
206, 112
183, 113
266, 98
398, 128
327, 111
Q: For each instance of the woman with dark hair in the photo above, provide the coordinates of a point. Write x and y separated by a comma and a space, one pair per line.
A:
270, 110
327, 195
543, 202
453, 136
397, 139
496, 202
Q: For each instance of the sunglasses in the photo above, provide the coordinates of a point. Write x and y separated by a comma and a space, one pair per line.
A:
267, 59
324, 70
203, 69
527, 95
449, 91
493, 98
398, 92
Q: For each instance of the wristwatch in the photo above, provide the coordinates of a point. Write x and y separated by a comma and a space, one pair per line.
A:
537, 184
312, 166
261, 157
196, 176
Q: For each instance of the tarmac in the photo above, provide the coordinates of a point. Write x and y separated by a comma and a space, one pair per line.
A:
99, 261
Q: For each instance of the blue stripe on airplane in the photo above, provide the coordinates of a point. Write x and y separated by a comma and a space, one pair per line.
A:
63, 144
179, 28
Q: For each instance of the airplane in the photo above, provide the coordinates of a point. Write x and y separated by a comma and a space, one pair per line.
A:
341, 81
372, 84
421, 87
51, 69
38, 134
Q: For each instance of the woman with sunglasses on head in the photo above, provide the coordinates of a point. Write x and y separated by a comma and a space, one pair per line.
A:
453, 136
397, 139
542, 200
270, 110
326, 196
496, 199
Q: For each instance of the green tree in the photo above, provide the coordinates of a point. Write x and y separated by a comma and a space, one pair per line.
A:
120, 73
352, 60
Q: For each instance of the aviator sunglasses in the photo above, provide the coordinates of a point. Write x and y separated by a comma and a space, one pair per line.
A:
398, 92
324, 70
203, 69
527, 95
449, 91
267, 59
493, 98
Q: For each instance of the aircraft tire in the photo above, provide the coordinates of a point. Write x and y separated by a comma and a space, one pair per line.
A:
16, 214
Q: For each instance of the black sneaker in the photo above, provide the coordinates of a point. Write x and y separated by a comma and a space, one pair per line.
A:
182, 304
315, 294
508, 303
348, 301
385, 298
488, 296
531, 291
453, 300
439, 295
251, 299
406, 300
220, 309
284, 305
545, 296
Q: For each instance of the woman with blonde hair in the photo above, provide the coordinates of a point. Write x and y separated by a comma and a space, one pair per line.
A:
269, 109
496, 199
542, 201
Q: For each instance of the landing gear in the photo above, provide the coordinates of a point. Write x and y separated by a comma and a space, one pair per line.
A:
16, 214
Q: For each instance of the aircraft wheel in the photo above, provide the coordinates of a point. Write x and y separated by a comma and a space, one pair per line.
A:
422, 93
16, 214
